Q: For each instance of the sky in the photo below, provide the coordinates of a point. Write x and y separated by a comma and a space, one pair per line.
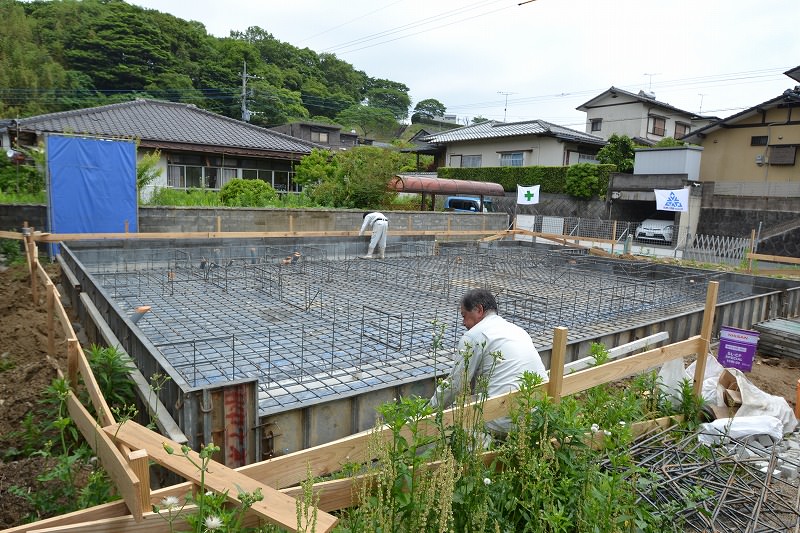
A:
519, 60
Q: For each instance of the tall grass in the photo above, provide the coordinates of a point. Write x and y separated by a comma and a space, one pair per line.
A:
189, 197
22, 198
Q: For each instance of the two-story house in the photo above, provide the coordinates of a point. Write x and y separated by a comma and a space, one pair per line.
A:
329, 135
639, 116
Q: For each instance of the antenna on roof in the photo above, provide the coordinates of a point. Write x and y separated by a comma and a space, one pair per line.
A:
650, 83
505, 109
701, 95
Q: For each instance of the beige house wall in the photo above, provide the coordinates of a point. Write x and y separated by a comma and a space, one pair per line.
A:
544, 151
729, 157
624, 115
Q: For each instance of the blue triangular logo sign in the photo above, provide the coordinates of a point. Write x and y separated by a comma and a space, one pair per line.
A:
673, 202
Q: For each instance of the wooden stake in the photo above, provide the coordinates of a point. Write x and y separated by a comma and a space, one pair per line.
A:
126, 227
752, 249
139, 462
613, 236
72, 363
219, 224
557, 363
34, 272
705, 335
51, 334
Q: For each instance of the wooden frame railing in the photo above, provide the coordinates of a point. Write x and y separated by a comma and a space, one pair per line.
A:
278, 478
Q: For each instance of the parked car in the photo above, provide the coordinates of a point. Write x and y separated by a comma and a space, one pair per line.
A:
655, 230
467, 203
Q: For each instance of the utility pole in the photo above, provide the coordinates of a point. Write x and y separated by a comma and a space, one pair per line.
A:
505, 108
245, 77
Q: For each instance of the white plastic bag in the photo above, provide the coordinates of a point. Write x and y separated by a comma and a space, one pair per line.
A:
739, 427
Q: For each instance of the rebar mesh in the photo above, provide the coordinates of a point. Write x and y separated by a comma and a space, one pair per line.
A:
312, 324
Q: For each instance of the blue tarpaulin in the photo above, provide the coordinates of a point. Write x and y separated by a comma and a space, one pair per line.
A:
92, 185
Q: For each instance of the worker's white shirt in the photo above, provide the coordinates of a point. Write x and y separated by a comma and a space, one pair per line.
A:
370, 220
492, 334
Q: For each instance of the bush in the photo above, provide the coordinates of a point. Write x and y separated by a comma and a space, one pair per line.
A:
247, 193
583, 181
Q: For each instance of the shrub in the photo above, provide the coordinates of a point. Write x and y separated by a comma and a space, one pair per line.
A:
583, 181
247, 193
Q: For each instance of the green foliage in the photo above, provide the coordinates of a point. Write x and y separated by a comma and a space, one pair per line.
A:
12, 250
356, 178
669, 142
147, 169
584, 181
188, 197
247, 193
369, 120
58, 56
23, 179
112, 371
618, 152
428, 108
551, 179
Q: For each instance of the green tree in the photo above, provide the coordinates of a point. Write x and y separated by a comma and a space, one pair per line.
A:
583, 181
356, 178
619, 152
147, 170
669, 142
247, 193
397, 102
428, 108
479, 119
367, 119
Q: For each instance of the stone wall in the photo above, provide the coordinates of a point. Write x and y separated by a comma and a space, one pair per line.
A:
13, 216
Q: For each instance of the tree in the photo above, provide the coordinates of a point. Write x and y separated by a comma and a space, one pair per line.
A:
356, 178
395, 101
479, 119
428, 108
669, 142
147, 170
367, 119
619, 152
583, 181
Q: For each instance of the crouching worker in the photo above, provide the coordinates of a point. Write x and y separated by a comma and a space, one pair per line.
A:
379, 225
488, 335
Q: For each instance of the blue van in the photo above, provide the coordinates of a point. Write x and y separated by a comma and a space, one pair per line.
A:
467, 203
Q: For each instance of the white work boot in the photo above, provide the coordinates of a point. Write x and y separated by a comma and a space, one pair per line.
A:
366, 257
383, 256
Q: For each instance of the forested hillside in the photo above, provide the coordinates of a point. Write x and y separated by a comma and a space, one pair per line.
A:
61, 55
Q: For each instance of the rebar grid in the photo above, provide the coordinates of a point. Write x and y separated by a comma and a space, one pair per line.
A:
311, 328
729, 487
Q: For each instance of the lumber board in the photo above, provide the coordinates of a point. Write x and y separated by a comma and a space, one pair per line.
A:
59, 237
705, 336
622, 368
774, 258
12, 235
98, 400
557, 363
276, 507
111, 458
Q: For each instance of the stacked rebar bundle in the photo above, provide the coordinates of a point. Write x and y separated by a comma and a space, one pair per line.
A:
736, 486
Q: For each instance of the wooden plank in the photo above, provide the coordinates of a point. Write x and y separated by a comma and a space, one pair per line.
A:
705, 335
139, 462
105, 416
59, 237
774, 258
72, 363
51, 333
586, 379
277, 508
12, 235
557, 363
113, 461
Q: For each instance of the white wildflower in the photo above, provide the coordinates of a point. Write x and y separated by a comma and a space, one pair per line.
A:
595, 428
607, 433
213, 522
170, 501
487, 481
622, 423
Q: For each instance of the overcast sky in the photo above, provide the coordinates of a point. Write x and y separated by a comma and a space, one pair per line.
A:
544, 57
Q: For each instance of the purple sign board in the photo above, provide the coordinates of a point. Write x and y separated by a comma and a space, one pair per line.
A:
737, 348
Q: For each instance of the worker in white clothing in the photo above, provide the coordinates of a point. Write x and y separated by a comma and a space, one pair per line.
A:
487, 333
379, 225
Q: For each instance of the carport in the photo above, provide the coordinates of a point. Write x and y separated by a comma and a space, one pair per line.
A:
415, 183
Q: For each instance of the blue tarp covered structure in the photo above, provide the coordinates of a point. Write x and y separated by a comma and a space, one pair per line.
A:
91, 185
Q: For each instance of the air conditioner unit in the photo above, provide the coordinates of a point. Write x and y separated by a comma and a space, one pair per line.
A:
760, 159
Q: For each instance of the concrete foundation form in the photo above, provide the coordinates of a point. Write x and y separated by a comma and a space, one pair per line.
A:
292, 343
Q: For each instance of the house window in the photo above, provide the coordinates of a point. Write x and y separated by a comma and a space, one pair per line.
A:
597, 124
455, 161
511, 159
472, 161
658, 126
782, 155
681, 129
319, 136
759, 140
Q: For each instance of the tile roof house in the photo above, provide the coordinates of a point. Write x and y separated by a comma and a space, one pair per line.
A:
528, 143
328, 135
199, 149
639, 116
754, 152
